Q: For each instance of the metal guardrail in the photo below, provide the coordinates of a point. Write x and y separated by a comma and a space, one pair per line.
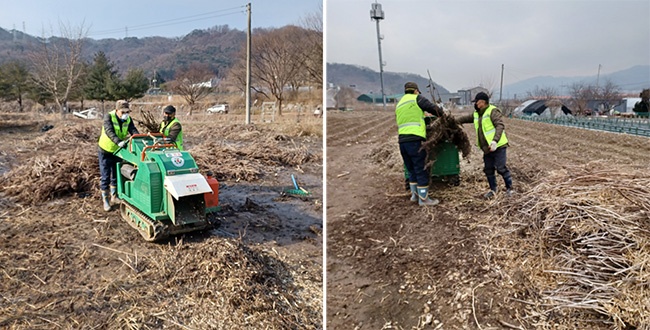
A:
632, 126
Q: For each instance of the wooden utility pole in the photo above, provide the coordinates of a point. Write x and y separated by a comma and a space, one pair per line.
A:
248, 66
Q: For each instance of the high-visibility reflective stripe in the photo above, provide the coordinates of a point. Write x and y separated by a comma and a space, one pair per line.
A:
121, 131
408, 124
488, 127
409, 116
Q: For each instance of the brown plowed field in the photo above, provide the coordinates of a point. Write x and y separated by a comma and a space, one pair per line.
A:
67, 264
394, 265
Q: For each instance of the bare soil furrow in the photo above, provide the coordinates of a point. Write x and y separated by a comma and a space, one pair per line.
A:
393, 264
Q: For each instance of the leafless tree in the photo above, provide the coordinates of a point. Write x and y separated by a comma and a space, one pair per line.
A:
313, 47
609, 93
491, 84
194, 83
57, 64
282, 60
581, 93
544, 93
276, 61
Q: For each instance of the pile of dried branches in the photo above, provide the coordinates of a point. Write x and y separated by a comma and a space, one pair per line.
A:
64, 162
250, 161
224, 131
219, 283
64, 136
587, 237
224, 163
46, 177
11, 120
445, 129
7, 124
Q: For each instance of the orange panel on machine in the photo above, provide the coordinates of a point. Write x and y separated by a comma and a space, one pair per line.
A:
212, 199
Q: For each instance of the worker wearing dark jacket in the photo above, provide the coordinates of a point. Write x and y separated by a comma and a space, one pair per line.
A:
644, 104
491, 138
171, 127
115, 129
412, 133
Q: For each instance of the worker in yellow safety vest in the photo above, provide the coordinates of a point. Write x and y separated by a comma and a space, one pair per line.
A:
117, 126
171, 128
412, 133
491, 139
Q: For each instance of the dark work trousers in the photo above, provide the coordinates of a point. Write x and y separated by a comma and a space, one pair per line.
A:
414, 159
496, 161
107, 169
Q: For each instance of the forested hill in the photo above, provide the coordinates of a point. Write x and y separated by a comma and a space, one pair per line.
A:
366, 80
219, 46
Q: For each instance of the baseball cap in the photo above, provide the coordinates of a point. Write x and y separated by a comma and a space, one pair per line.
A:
481, 96
121, 104
169, 109
410, 86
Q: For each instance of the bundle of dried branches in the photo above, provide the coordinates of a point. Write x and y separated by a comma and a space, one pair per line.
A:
588, 241
445, 129
148, 120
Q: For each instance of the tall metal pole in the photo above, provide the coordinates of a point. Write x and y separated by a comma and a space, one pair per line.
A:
501, 88
248, 66
598, 76
377, 14
381, 67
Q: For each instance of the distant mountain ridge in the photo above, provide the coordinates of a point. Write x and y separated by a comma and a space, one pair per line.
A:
218, 46
366, 80
631, 80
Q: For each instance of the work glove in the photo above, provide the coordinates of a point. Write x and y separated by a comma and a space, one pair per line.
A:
493, 146
122, 143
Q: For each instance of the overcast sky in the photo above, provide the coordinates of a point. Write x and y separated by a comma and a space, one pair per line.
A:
140, 18
464, 43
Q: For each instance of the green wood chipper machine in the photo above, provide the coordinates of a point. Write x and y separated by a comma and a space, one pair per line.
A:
161, 190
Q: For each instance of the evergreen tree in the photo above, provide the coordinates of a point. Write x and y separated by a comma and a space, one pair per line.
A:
132, 87
100, 75
14, 82
39, 94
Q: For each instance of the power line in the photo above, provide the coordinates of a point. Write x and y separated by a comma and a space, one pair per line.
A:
175, 21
